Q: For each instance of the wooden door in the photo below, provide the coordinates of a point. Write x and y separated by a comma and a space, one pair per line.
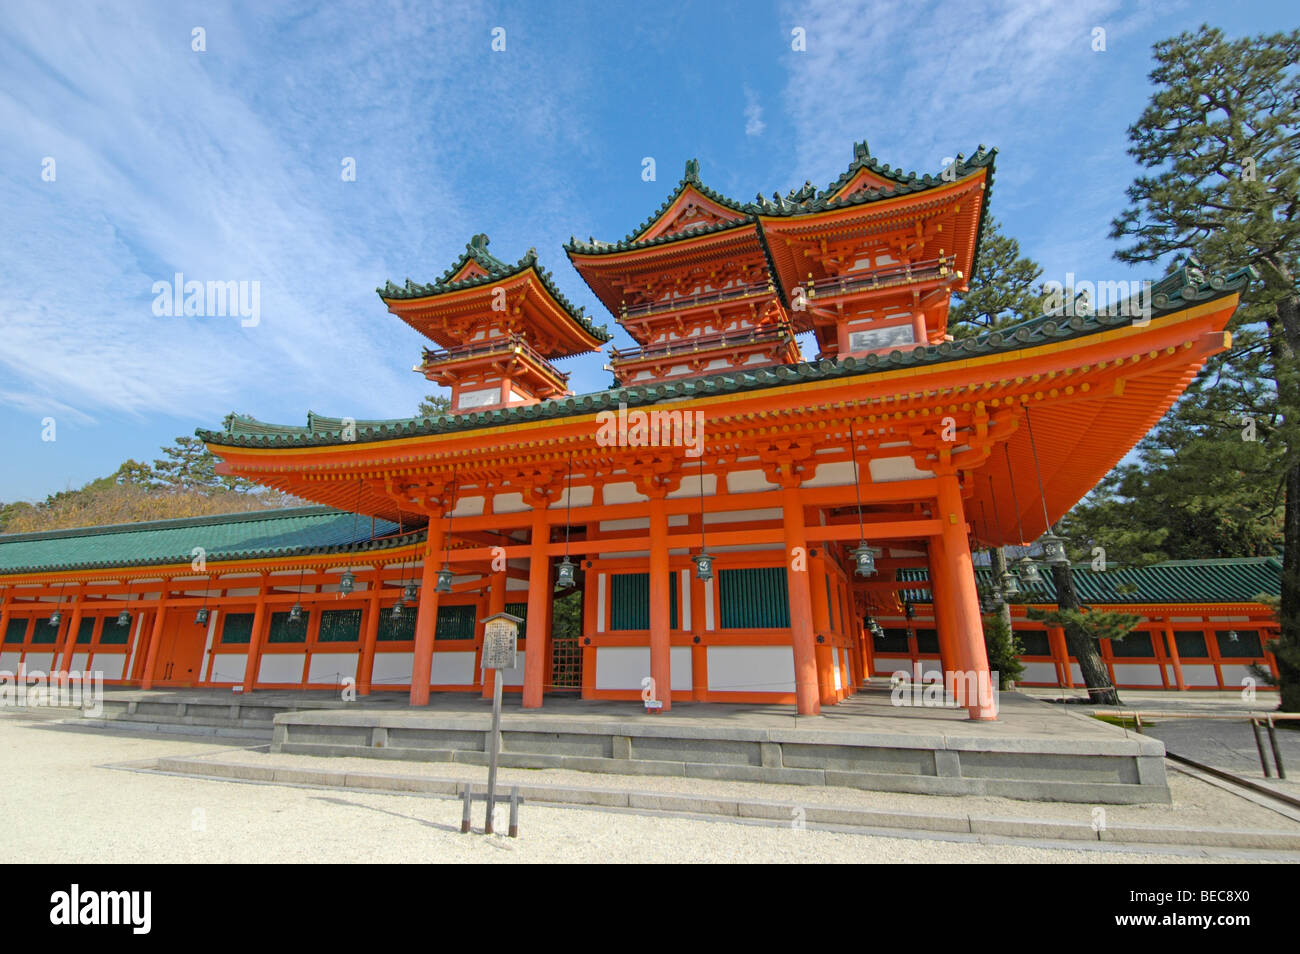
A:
180, 653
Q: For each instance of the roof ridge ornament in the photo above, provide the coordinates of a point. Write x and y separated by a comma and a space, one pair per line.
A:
692, 171
861, 151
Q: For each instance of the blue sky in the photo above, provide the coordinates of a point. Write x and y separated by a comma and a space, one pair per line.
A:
224, 164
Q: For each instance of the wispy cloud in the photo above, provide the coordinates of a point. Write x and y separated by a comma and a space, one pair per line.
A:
754, 124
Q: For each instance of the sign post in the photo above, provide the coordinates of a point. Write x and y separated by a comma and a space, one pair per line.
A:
500, 645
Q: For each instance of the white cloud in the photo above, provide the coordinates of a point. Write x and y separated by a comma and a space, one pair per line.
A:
754, 124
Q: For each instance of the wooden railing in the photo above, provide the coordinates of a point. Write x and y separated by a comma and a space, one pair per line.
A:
735, 292
894, 275
510, 344
703, 343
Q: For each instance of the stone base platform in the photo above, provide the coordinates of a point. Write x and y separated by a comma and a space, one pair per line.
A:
1034, 751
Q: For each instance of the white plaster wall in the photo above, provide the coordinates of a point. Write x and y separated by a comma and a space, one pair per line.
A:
1199, 674
332, 668
453, 669
392, 669
751, 668
623, 667
79, 660
1234, 674
9, 661
229, 667
1140, 674
110, 664
1039, 672
39, 661
282, 667
888, 469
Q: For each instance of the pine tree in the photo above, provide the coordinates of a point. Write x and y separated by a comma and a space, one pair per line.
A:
434, 405
1002, 289
1220, 140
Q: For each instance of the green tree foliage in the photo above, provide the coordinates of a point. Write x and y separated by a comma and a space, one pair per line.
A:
1003, 289
1220, 146
183, 483
1004, 650
434, 405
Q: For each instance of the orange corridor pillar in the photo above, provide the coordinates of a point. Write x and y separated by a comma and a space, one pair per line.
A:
539, 599
151, 658
426, 621
806, 688
959, 588
254, 641
660, 637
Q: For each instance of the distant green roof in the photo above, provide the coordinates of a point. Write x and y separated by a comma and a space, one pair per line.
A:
243, 536
1178, 581
1183, 288
497, 270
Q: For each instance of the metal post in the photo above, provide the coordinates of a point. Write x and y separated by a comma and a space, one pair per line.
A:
514, 811
1137, 722
494, 748
466, 792
1277, 752
1259, 744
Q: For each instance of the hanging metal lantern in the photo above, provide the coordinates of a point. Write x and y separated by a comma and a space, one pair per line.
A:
409, 592
201, 617
564, 571
397, 610
864, 559
55, 618
295, 613
703, 566
444, 579
1053, 550
347, 582
1028, 571
875, 628
1233, 636
1010, 585
124, 618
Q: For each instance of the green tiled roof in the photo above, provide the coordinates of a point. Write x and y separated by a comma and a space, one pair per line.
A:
1178, 581
497, 270
266, 533
1185, 287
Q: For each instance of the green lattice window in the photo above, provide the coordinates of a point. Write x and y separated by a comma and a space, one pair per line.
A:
340, 626
85, 630
754, 598
1134, 644
45, 634
927, 641
284, 631
456, 622
237, 629
1246, 644
111, 634
893, 641
1035, 642
16, 631
519, 610
629, 597
396, 630
1191, 644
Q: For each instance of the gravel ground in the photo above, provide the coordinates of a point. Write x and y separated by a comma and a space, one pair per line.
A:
66, 805
1196, 804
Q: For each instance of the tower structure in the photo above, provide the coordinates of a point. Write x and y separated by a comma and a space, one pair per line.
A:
498, 327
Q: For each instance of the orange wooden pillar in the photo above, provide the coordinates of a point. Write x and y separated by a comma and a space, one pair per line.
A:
699, 651
539, 571
370, 638
496, 604
945, 620
1171, 644
74, 625
254, 660
4, 612
155, 637
1061, 654
958, 574
426, 620
660, 635
806, 688
821, 627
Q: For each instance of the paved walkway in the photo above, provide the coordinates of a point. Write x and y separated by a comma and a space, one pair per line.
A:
66, 797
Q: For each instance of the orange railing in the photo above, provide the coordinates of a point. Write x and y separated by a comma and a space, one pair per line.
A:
509, 344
